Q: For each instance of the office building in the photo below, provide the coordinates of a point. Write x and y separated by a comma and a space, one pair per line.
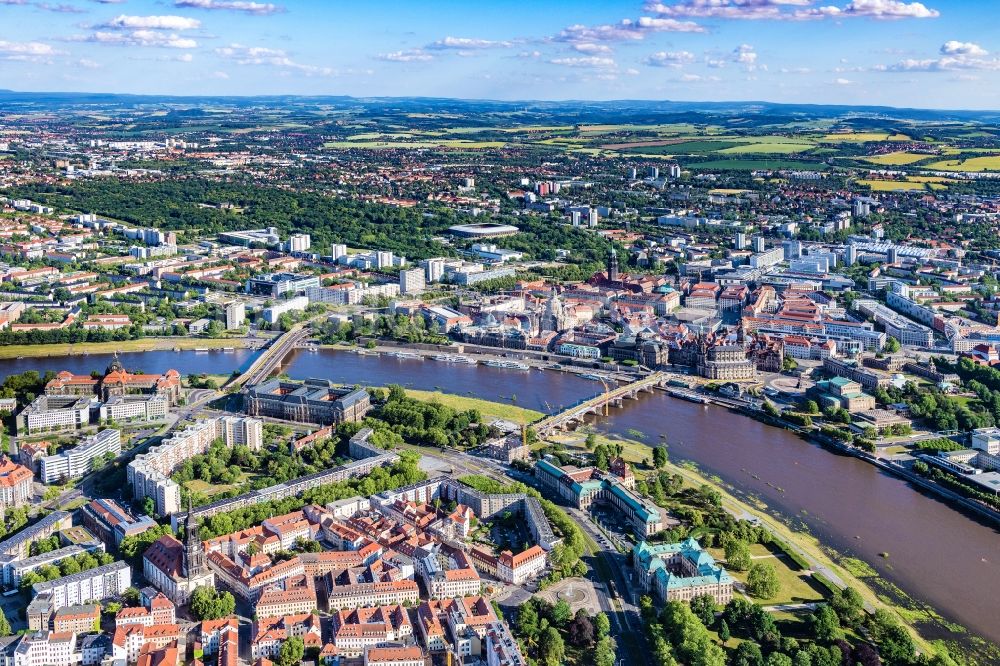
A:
278, 284
308, 401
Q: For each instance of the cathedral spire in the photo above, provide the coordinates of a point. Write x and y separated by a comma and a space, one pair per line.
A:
613, 266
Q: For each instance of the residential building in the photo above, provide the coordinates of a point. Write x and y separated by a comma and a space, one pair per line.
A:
75, 462
103, 582
16, 484
412, 281
111, 522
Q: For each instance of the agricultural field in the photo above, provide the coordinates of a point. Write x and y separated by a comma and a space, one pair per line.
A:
863, 137
981, 163
413, 145
896, 159
908, 185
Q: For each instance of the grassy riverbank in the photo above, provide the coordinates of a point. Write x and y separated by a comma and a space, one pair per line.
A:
877, 593
490, 410
126, 346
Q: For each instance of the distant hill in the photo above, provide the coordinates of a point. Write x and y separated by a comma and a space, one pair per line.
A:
568, 110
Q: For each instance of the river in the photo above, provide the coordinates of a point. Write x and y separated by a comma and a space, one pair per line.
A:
937, 554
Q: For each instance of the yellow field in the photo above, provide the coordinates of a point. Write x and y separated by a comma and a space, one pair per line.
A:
984, 163
864, 136
892, 185
895, 159
723, 190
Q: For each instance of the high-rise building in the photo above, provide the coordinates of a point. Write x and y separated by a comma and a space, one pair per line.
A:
632, 173
851, 254
592, 218
740, 241
674, 170
433, 269
758, 243
654, 172
892, 255
299, 243
236, 314
338, 251
861, 208
412, 281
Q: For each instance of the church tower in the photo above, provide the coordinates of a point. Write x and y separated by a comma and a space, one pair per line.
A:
194, 553
613, 266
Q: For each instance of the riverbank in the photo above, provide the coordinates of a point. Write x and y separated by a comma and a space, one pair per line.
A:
63, 349
821, 559
490, 410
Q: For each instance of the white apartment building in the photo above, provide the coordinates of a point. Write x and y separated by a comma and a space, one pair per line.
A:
236, 314
74, 463
109, 580
135, 408
149, 473
47, 647
412, 281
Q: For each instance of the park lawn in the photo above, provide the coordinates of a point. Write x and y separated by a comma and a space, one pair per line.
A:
219, 379
490, 410
981, 163
896, 159
796, 586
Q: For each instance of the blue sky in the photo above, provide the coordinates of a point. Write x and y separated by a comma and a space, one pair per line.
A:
934, 54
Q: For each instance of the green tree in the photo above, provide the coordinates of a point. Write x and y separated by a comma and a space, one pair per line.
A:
292, 651
703, 606
551, 649
602, 625
738, 555
891, 345
811, 407
659, 456
747, 654
5, 629
849, 606
724, 634
762, 581
604, 653
561, 613
826, 625
208, 604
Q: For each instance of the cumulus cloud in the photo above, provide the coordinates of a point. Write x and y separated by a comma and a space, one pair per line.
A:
26, 49
789, 10
146, 38
409, 55
674, 59
954, 56
263, 55
243, 6
124, 22
843, 82
624, 30
697, 78
588, 47
467, 44
87, 63
587, 62
957, 48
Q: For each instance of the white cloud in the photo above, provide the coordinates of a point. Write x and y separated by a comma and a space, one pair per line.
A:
254, 8
529, 54
589, 62
87, 63
588, 47
218, 75
150, 38
789, 10
410, 55
262, 55
624, 30
124, 22
26, 49
956, 48
843, 82
465, 44
954, 56
675, 59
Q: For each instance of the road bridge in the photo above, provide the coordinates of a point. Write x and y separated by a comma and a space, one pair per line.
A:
272, 356
575, 414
